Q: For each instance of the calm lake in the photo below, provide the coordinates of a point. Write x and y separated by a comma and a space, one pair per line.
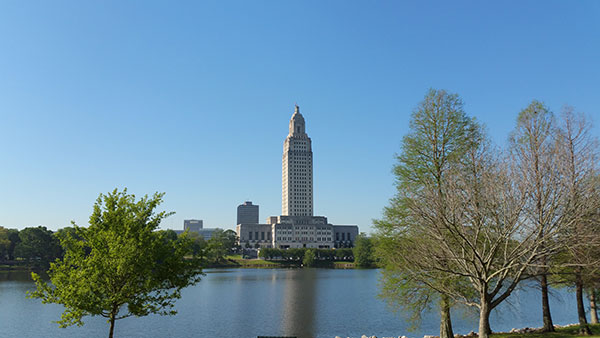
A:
305, 303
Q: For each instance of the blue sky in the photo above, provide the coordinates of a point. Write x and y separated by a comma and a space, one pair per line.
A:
193, 98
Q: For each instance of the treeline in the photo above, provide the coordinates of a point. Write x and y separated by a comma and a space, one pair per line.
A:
298, 254
471, 221
36, 246
362, 254
215, 250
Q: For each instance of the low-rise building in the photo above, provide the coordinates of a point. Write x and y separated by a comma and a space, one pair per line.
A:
251, 234
345, 236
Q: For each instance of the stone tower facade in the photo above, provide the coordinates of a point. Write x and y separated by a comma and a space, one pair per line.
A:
297, 173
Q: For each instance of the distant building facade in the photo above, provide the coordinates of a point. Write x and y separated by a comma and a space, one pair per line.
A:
192, 224
206, 233
297, 227
197, 226
344, 236
250, 234
247, 213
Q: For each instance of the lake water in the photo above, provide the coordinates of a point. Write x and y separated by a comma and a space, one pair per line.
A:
305, 303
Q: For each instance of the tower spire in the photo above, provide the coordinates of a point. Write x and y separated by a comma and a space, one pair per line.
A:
297, 169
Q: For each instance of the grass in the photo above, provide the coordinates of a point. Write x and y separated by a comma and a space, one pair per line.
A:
563, 332
343, 265
238, 261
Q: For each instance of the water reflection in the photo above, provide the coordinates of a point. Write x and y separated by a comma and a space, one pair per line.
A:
298, 303
306, 303
19, 276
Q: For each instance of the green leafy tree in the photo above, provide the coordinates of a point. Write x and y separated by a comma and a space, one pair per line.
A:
119, 266
266, 253
231, 239
310, 259
343, 254
363, 252
219, 245
199, 244
297, 254
4, 243
13, 236
38, 245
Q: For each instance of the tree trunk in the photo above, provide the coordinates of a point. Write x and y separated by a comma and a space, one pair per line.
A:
446, 322
583, 324
548, 326
113, 316
593, 312
484, 317
112, 327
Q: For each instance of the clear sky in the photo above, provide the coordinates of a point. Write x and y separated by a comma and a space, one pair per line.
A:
194, 98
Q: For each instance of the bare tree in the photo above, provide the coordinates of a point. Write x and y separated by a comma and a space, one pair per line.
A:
472, 229
440, 134
483, 244
592, 291
534, 150
578, 156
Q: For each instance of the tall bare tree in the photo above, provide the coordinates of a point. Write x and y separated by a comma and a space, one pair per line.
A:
440, 134
482, 246
534, 149
578, 157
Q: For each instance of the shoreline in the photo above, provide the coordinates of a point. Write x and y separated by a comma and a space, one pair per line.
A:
562, 331
230, 263
264, 264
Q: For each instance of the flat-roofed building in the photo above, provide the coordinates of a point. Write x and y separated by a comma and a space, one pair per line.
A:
247, 213
192, 224
345, 235
251, 234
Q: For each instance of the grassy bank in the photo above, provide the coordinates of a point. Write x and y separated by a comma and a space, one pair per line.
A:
21, 267
236, 261
562, 332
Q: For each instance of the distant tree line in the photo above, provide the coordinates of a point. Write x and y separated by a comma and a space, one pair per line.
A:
362, 254
36, 246
298, 254
215, 250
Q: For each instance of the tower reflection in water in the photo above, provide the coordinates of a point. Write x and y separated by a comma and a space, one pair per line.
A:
298, 303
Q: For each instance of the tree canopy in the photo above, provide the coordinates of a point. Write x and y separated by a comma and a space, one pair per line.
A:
440, 135
121, 265
363, 251
469, 222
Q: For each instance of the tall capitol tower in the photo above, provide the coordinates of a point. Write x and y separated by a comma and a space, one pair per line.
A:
297, 173
296, 227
